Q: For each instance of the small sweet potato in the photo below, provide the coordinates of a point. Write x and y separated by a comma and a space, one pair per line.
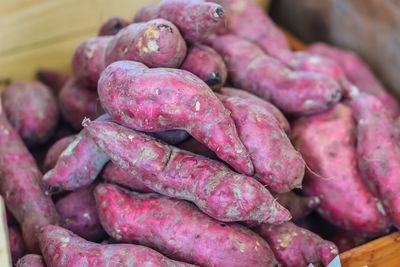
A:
294, 92
196, 19
61, 247
112, 26
345, 240
16, 242
378, 152
77, 102
358, 73
194, 146
177, 173
55, 80
182, 232
78, 214
245, 18
78, 165
278, 165
172, 137
164, 99
113, 173
207, 64
294, 246
89, 60
21, 186
156, 43
298, 206
55, 151
30, 260
228, 91
32, 110
328, 145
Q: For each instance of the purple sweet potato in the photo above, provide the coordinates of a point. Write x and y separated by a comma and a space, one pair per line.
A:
176, 173
294, 246
196, 19
32, 110
78, 165
278, 165
294, 92
112, 26
156, 43
298, 206
207, 64
89, 60
30, 260
182, 232
53, 79
78, 214
77, 102
358, 73
16, 242
20, 185
172, 137
55, 151
194, 146
113, 173
328, 145
378, 152
245, 18
164, 99
61, 247
228, 91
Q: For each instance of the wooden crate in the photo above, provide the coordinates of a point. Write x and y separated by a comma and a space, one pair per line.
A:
45, 33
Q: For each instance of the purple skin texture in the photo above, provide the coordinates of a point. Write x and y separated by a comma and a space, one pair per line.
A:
177, 173
32, 110
55, 151
21, 186
196, 20
294, 92
30, 260
89, 60
55, 80
278, 165
61, 247
327, 142
16, 243
156, 43
112, 26
164, 99
178, 229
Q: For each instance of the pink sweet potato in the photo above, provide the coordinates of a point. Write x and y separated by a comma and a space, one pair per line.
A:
113, 173
345, 240
378, 152
294, 92
21, 186
164, 99
182, 232
89, 60
112, 26
55, 151
278, 165
30, 260
16, 242
196, 19
77, 102
172, 137
194, 146
294, 246
247, 19
298, 206
78, 214
207, 64
228, 91
32, 110
156, 43
328, 145
177, 173
358, 73
61, 247
78, 165
53, 79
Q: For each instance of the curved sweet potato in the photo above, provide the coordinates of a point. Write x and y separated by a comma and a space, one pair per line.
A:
55, 151
30, 260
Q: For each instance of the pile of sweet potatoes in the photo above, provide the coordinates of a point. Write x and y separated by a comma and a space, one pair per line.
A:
194, 136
